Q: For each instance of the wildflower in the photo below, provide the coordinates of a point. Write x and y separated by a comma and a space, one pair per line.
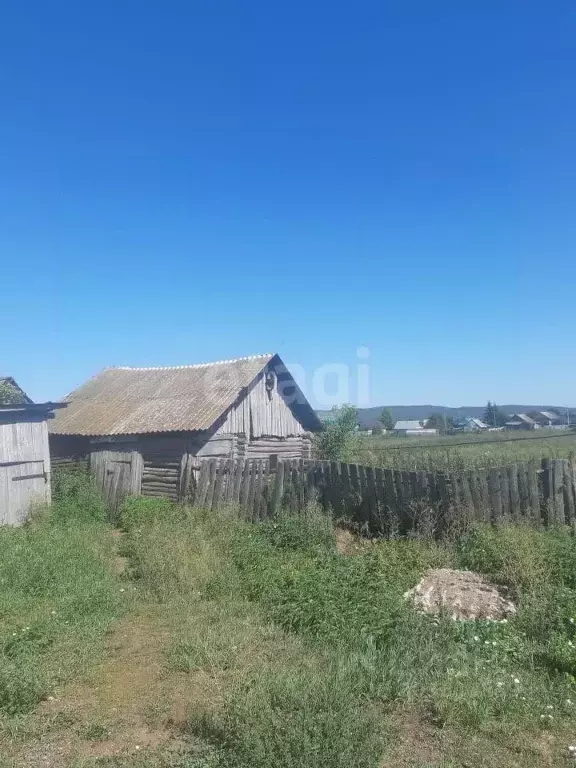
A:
571, 621
476, 638
516, 681
499, 685
569, 702
493, 642
570, 643
504, 621
53, 613
549, 706
122, 590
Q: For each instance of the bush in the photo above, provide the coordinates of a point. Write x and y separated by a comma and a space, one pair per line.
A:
139, 511
312, 531
75, 497
519, 556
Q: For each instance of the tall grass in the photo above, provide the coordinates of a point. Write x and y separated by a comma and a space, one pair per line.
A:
461, 452
310, 650
58, 595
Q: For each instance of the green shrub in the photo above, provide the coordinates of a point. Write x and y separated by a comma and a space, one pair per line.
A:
140, 511
75, 497
311, 531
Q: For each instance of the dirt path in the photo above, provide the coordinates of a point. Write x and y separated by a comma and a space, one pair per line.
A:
129, 703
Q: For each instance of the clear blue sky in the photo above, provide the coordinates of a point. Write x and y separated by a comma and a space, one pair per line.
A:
189, 181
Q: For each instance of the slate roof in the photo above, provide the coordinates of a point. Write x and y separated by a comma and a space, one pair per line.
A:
124, 401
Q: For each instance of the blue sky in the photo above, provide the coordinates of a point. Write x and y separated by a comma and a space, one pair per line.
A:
182, 182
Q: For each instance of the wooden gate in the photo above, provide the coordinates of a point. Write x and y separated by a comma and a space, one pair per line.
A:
117, 471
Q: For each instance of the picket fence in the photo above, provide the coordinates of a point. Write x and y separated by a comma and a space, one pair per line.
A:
391, 502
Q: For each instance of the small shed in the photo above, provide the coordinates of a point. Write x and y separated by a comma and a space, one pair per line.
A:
24, 458
145, 430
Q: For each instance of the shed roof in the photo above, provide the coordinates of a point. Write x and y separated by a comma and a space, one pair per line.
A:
185, 398
12, 385
410, 424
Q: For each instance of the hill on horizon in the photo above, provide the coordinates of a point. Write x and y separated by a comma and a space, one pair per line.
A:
370, 417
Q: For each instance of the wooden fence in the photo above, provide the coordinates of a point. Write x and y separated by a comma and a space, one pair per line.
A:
392, 502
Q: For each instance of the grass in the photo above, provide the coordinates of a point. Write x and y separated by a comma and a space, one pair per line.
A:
58, 596
461, 452
260, 646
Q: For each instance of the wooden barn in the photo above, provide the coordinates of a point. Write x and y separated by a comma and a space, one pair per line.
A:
146, 430
24, 458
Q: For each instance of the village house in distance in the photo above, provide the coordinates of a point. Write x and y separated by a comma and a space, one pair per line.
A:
144, 430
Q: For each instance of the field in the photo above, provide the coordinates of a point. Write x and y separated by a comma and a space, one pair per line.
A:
198, 641
463, 451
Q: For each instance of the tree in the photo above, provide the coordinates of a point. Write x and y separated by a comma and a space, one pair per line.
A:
440, 421
387, 419
493, 416
9, 395
338, 440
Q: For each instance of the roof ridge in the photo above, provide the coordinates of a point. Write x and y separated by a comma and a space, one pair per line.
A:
186, 367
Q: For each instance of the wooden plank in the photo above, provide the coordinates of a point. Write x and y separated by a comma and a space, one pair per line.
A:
535, 512
254, 473
513, 487
495, 495
238, 473
523, 494
346, 489
474, 481
245, 485
486, 514
505, 493
391, 502
445, 508
467, 499
266, 492
569, 500
371, 500
219, 476
258, 479
559, 512
548, 492
406, 514
278, 489
335, 496
211, 482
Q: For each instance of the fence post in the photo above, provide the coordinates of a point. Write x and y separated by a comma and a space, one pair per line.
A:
278, 489
548, 492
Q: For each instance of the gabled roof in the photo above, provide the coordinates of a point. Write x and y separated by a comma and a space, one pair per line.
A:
12, 385
185, 398
410, 424
520, 418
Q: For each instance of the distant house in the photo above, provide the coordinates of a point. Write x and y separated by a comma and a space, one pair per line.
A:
413, 428
11, 393
470, 424
520, 421
546, 418
145, 430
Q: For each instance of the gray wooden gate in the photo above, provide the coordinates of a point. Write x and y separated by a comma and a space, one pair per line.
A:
117, 471
24, 467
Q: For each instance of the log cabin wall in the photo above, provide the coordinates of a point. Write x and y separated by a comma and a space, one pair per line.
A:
162, 460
